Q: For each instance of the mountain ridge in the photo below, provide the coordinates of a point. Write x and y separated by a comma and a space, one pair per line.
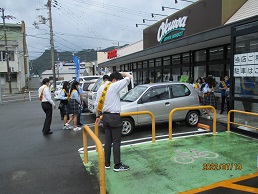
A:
43, 62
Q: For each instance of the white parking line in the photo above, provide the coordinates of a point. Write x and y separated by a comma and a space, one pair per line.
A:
163, 137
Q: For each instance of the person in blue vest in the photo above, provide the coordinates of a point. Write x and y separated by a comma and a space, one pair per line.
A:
224, 87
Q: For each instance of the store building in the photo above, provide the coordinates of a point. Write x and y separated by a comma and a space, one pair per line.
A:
208, 37
116, 53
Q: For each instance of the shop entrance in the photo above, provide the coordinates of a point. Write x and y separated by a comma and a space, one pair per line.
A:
244, 74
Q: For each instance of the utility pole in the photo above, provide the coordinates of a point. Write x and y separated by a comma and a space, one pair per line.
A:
6, 53
52, 43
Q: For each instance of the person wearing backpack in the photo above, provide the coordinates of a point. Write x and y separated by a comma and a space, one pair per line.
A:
47, 105
224, 87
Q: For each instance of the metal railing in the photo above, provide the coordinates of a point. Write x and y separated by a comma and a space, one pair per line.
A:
99, 147
239, 124
191, 108
125, 114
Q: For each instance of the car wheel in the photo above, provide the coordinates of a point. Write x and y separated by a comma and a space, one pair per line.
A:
192, 118
128, 126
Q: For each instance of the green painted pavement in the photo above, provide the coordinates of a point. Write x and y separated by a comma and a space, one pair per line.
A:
158, 168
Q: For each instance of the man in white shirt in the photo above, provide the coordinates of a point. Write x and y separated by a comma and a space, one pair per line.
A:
47, 105
112, 122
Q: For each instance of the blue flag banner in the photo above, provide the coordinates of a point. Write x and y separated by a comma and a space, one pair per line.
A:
77, 67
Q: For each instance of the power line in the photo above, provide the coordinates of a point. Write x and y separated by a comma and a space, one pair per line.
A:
112, 7
95, 19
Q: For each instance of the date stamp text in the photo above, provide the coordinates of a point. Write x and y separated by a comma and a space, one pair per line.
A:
222, 166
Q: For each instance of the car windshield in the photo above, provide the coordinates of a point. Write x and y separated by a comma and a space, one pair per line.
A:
97, 85
134, 93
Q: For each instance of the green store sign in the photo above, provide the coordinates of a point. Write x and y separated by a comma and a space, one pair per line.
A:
166, 28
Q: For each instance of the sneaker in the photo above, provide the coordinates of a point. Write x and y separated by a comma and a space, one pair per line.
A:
77, 129
67, 125
121, 167
107, 166
66, 128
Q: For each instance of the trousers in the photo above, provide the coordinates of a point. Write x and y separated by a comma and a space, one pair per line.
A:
223, 99
112, 124
47, 108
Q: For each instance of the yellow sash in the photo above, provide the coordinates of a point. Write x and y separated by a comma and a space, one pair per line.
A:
196, 85
224, 85
102, 97
41, 94
207, 94
67, 94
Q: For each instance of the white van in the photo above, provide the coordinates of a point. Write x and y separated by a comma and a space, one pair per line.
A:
93, 92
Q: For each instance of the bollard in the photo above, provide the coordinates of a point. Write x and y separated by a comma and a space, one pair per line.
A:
29, 96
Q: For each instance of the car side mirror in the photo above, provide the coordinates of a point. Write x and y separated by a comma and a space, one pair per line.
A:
142, 101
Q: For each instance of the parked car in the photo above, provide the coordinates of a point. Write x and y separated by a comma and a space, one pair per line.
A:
89, 77
58, 85
160, 99
57, 93
92, 95
59, 89
86, 87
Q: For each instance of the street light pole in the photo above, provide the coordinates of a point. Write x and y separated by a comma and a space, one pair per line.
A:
6, 53
52, 44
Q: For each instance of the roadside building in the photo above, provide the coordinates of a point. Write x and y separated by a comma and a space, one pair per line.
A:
17, 55
67, 71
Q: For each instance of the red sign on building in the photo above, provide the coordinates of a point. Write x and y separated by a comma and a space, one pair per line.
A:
112, 54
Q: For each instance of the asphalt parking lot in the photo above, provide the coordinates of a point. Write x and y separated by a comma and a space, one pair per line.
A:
33, 163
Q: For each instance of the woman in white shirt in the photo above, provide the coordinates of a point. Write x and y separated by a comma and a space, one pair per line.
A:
209, 97
197, 87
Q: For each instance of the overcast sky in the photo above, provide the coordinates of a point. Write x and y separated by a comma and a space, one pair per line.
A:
86, 24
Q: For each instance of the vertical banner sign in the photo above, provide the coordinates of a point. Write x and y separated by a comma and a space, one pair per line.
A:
77, 67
